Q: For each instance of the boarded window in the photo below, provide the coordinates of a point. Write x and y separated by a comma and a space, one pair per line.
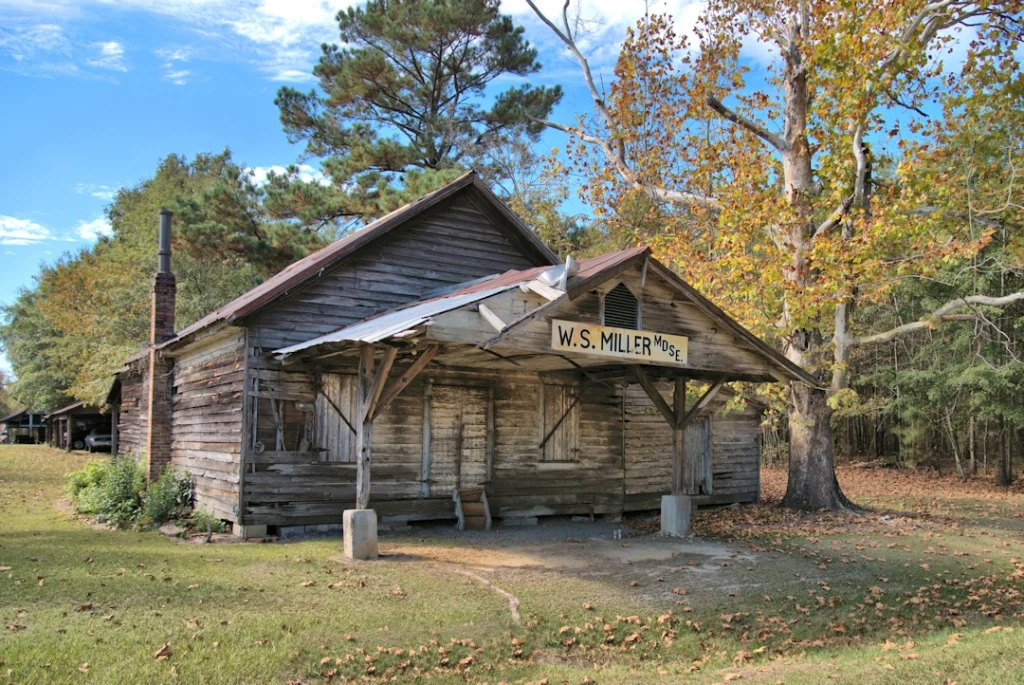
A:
561, 422
335, 439
621, 308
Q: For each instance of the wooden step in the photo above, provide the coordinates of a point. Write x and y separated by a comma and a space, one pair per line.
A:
473, 508
475, 523
471, 495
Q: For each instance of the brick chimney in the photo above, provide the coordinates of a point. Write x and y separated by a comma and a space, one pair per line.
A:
161, 329
161, 314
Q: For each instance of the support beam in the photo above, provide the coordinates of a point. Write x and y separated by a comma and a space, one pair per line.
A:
395, 389
363, 428
493, 319
679, 438
702, 403
380, 378
645, 382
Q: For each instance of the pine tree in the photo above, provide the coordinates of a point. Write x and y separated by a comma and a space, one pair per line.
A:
405, 106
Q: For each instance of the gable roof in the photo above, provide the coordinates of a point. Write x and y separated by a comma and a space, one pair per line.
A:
298, 273
591, 273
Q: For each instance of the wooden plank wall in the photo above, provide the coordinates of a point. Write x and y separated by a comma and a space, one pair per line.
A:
134, 417
735, 452
526, 485
711, 346
308, 486
206, 421
292, 487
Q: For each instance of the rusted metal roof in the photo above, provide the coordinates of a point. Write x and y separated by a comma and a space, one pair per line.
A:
299, 272
392, 323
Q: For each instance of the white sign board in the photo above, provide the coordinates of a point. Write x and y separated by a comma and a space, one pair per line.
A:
622, 343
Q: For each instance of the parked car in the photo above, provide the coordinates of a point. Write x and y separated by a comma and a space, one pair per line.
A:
98, 439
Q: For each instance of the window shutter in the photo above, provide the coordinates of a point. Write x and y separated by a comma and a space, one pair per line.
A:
621, 308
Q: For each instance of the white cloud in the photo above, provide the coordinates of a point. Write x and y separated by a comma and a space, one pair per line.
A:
173, 59
100, 192
15, 231
36, 49
304, 172
110, 55
92, 230
178, 77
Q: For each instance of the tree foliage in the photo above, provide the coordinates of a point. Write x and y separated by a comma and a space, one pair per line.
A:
405, 104
767, 192
90, 311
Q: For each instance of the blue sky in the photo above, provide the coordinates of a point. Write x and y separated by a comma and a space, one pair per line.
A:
96, 92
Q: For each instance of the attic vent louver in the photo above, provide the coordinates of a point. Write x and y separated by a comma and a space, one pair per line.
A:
621, 308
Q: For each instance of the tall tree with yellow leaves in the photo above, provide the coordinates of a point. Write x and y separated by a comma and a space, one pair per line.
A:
812, 189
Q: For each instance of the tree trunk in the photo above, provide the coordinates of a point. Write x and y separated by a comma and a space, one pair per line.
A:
971, 436
1002, 475
812, 477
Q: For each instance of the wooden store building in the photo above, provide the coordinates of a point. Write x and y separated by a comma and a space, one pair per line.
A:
443, 363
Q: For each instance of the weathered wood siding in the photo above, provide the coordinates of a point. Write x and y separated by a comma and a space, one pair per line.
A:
454, 243
301, 476
622, 463
736, 456
206, 420
734, 451
587, 481
134, 415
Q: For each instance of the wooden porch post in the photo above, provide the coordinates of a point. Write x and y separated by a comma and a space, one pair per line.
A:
679, 438
115, 421
364, 424
67, 433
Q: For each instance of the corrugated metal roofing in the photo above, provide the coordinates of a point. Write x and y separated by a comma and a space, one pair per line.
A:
386, 325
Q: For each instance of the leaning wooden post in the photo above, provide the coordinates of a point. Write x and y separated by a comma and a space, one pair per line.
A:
676, 507
360, 524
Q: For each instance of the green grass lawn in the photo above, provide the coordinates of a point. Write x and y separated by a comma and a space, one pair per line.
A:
933, 596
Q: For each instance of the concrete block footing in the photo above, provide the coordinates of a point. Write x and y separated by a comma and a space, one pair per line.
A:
675, 515
247, 532
360, 527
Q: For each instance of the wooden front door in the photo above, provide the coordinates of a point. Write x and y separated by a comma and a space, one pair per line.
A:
697, 457
459, 438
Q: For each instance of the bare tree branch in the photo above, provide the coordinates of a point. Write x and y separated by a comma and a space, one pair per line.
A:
942, 314
835, 218
612, 147
750, 125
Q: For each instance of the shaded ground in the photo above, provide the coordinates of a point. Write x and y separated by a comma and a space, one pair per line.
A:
925, 589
